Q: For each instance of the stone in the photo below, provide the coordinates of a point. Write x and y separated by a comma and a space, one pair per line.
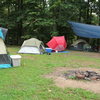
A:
94, 77
86, 78
84, 75
80, 76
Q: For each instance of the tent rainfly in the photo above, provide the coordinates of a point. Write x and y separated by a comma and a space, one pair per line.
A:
5, 60
33, 46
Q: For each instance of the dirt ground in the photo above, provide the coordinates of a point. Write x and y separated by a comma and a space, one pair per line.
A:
89, 54
62, 82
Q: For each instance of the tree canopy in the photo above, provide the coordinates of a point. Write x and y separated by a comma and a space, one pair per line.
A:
45, 18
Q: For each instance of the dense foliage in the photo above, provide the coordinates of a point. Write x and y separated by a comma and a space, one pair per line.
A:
45, 18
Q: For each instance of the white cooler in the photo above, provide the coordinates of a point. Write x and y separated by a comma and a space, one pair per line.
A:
16, 60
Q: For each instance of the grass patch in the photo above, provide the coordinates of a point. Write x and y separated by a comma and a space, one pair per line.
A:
26, 82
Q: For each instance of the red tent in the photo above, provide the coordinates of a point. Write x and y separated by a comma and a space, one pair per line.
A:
57, 43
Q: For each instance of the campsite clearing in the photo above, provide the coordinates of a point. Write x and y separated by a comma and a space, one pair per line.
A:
26, 82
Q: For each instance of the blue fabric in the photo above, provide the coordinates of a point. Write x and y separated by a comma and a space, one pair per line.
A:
49, 50
5, 65
1, 34
63, 51
85, 30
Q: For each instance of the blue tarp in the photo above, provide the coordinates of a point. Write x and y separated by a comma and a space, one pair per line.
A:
85, 30
63, 51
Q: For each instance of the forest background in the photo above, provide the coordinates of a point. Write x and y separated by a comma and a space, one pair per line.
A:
43, 19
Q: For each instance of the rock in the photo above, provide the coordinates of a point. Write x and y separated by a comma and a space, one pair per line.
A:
85, 75
91, 73
86, 78
98, 79
98, 76
80, 76
94, 78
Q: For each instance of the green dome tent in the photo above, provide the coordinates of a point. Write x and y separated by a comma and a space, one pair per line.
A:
33, 46
80, 45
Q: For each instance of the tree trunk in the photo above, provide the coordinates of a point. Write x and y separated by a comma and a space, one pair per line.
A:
87, 19
19, 23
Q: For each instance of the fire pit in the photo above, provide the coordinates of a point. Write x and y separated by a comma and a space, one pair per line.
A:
82, 75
